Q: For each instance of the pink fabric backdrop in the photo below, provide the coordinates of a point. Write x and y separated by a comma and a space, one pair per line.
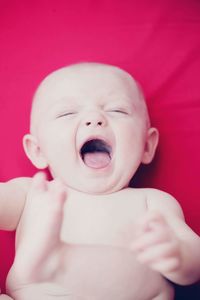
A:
158, 42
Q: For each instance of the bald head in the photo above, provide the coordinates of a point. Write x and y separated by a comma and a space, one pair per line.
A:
84, 78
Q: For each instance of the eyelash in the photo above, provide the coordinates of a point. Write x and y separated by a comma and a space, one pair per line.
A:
66, 114
111, 111
119, 111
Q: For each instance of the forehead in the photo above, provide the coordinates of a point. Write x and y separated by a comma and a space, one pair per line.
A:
86, 81
83, 83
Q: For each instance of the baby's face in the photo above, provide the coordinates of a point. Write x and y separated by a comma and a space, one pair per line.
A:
91, 128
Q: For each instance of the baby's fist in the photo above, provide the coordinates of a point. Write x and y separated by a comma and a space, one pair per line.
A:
157, 244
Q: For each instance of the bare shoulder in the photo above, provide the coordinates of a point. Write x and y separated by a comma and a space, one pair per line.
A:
12, 199
132, 192
14, 188
163, 202
22, 182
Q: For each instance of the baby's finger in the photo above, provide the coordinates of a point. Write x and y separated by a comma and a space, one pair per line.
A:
166, 266
148, 239
58, 190
39, 182
151, 221
157, 253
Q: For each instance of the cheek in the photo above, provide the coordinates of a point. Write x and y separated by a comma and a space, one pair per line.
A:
56, 133
54, 141
130, 133
130, 144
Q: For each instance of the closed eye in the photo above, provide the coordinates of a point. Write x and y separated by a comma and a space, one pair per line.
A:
66, 114
120, 111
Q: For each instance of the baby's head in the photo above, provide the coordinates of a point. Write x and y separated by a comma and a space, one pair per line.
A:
90, 127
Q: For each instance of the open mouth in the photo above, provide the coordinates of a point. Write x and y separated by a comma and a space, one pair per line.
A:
96, 153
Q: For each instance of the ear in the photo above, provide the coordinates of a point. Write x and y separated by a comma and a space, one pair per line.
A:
33, 151
151, 145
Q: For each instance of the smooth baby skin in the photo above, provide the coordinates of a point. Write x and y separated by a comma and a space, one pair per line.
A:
92, 263
90, 127
83, 103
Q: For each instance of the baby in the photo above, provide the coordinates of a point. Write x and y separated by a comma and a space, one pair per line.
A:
86, 234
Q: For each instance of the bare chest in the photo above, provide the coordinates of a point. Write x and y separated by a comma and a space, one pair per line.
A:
107, 220
97, 232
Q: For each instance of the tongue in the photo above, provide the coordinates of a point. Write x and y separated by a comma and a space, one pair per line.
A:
96, 160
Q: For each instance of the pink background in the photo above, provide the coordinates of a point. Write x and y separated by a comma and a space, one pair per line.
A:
158, 42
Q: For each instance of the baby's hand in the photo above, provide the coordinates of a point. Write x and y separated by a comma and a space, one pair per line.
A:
38, 235
157, 244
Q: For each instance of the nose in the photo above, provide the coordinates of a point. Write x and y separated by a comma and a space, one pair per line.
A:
95, 119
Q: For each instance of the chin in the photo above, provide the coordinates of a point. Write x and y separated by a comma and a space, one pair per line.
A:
99, 188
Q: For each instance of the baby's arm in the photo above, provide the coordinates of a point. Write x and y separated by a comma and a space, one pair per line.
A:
39, 228
5, 297
39, 248
166, 243
12, 199
38, 244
